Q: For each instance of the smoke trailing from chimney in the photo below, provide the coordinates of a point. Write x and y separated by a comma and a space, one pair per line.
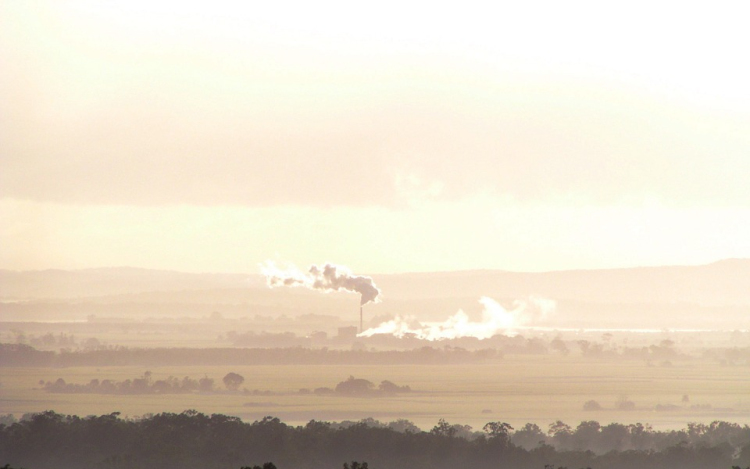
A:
327, 278
495, 320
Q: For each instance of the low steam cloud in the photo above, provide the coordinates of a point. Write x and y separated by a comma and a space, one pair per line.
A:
329, 277
495, 319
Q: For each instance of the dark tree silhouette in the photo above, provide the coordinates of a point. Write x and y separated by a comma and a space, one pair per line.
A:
233, 381
443, 428
592, 405
192, 440
355, 386
389, 387
356, 465
205, 384
267, 465
498, 431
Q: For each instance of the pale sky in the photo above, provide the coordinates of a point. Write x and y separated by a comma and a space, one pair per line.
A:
389, 137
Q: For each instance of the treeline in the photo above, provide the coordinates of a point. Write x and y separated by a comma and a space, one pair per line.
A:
438, 353
25, 355
361, 388
172, 385
141, 385
193, 440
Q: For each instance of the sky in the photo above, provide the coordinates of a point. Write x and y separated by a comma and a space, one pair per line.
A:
389, 136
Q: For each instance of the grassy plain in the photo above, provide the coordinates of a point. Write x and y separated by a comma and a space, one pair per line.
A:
517, 389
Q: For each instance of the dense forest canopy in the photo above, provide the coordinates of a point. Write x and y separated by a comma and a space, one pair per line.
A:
191, 439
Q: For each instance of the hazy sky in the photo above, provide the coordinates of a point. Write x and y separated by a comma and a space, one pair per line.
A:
401, 136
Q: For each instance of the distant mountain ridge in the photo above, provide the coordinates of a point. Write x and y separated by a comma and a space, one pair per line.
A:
710, 296
725, 282
68, 284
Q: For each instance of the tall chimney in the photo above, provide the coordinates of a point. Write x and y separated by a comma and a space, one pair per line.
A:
361, 330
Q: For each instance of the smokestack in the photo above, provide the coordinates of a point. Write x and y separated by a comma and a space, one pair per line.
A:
328, 278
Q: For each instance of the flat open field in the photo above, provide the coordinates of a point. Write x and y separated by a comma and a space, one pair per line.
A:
517, 389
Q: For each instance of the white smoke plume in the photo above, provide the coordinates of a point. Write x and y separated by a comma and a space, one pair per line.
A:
328, 278
495, 319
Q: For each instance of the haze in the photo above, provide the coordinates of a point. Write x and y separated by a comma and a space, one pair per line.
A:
388, 138
413, 234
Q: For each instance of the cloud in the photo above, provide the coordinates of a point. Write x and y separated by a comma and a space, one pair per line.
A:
107, 106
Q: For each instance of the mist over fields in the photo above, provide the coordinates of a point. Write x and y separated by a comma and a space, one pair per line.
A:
423, 235
651, 361
712, 296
